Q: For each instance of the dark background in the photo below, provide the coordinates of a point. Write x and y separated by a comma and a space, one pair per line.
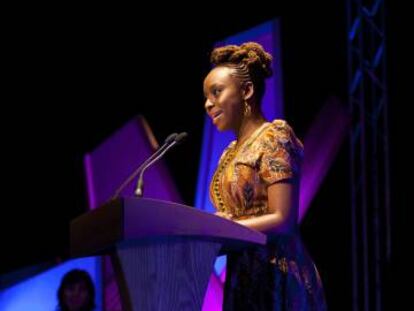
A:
77, 74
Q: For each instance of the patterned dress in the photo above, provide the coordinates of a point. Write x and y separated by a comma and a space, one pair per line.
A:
280, 275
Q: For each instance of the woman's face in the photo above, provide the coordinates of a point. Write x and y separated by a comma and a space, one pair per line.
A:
224, 101
76, 296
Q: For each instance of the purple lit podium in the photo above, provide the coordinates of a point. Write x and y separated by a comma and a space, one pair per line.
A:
163, 252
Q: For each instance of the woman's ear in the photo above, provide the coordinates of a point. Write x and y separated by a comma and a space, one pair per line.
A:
248, 90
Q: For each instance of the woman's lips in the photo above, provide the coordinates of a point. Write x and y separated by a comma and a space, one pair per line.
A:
216, 115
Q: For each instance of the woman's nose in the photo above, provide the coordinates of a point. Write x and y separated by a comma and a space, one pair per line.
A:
208, 105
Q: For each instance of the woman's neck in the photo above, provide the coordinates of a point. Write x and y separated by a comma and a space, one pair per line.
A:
248, 126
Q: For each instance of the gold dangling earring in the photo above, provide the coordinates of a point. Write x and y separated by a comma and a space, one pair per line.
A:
247, 109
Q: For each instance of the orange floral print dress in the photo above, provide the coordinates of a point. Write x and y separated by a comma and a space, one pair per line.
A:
280, 275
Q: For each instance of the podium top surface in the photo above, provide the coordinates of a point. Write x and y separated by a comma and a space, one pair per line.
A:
145, 219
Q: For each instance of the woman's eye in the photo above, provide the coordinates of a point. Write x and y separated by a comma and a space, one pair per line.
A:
216, 92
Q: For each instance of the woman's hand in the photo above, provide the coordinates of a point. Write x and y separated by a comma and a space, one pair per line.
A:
223, 215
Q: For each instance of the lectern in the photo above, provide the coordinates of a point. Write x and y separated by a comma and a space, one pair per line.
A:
163, 252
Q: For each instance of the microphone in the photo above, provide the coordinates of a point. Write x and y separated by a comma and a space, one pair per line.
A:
139, 191
170, 139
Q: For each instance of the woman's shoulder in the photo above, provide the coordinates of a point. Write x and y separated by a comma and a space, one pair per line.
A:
279, 127
279, 132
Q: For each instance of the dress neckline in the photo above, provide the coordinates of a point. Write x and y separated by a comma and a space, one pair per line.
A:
252, 137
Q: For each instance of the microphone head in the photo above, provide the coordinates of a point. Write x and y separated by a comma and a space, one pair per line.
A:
180, 137
170, 138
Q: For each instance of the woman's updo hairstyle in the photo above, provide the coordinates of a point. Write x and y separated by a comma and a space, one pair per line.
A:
250, 61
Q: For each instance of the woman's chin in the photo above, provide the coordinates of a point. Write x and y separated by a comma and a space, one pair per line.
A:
221, 127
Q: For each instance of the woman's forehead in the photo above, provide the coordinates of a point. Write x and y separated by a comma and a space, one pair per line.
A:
218, 75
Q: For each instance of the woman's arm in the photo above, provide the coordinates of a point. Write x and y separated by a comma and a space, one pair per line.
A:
283, 210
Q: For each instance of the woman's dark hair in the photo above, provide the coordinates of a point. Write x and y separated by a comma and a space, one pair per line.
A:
250, 61
73, 277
